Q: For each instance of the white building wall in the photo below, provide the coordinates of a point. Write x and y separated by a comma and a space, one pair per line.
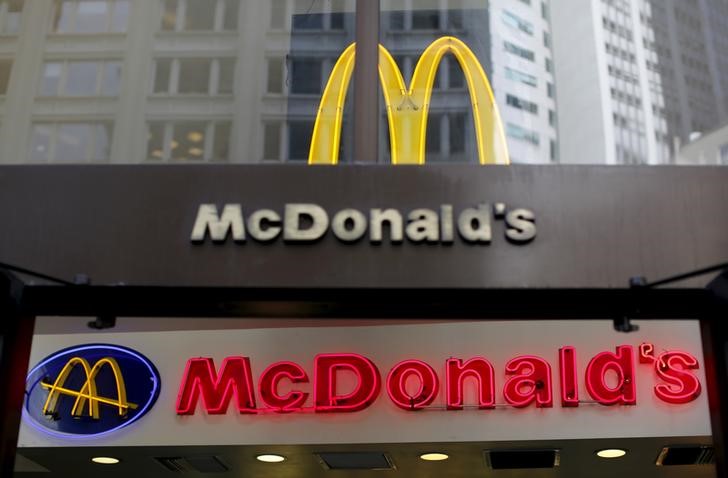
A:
585, 116
523, 151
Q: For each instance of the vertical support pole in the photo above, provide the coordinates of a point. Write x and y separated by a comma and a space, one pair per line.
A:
715, 349
366, 82
16, 335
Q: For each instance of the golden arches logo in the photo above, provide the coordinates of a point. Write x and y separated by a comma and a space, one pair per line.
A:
408, 108
87, 396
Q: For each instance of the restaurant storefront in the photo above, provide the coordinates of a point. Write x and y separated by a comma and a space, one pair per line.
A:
348, 316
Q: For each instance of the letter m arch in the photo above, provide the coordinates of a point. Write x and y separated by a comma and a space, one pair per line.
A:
217, 389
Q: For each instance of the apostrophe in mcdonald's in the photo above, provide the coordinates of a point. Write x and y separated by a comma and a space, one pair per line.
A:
90, 390
408, 107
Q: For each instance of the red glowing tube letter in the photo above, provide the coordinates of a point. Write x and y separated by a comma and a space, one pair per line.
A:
533, 373
682, 386
268, 387
569, 383
479, 369
217, 390
623, 364
397, 384
369, 383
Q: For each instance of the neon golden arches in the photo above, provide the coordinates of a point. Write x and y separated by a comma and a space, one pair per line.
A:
87, 393
408, 108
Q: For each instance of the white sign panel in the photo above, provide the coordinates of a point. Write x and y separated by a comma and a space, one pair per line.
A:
459, 381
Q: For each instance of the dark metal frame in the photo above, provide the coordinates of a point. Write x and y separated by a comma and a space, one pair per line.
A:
21, 303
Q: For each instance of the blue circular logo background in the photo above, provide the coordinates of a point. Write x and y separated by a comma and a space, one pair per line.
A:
135, 373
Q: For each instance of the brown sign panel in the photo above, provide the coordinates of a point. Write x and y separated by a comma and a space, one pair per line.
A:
596, 226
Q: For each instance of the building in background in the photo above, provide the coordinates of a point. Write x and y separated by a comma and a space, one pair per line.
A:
128, 81
707, 149
638, 76
512, 41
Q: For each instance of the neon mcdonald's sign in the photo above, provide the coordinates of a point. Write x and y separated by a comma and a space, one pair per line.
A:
408, 108
412, 385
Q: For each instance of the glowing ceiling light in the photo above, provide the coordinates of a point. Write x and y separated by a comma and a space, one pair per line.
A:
270, 458
105, 460
611, 453
434, 457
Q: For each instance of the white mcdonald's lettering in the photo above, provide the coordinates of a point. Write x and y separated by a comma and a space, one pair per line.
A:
407, 109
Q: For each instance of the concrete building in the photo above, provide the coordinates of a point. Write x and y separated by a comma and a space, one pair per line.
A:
638, 76
125, 81
708, 149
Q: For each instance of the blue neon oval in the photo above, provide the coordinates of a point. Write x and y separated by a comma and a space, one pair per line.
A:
140, 377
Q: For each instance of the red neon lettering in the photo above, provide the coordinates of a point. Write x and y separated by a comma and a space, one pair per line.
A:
397, 384
478, 368
647, 353
682, 386
569, 381
217, 390
268, 387
533, 374
623, 364
369, 383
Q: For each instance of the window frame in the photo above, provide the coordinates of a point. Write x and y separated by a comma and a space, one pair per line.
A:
72, 26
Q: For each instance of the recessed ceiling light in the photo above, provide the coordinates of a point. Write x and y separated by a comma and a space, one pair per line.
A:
270, 458
611, 453
105, 460
434, 456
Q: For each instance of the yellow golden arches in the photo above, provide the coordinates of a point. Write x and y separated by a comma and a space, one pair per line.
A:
88, 393
408, 108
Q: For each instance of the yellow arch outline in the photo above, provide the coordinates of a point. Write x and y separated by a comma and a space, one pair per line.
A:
408, 109
88, 392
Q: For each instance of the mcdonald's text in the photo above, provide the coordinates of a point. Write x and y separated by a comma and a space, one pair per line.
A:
609, 380
306, 223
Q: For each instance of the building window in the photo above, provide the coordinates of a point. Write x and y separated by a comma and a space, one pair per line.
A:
70, 142
10, 11
521, 77
517, 50
426, 18
457, 132
516, 22
724, 154
522, 104
194, 76
274, 80
81, 78
200, 15
6, 66
272, 140
188, 141
299, 139
91, 16
306, 76
456, 76
522, 134
433, 143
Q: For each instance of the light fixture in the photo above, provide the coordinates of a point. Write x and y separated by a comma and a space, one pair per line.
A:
270, 458
174, 144
105, 460
157, 153
195, 136
195, 151
434, 456
611, 453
